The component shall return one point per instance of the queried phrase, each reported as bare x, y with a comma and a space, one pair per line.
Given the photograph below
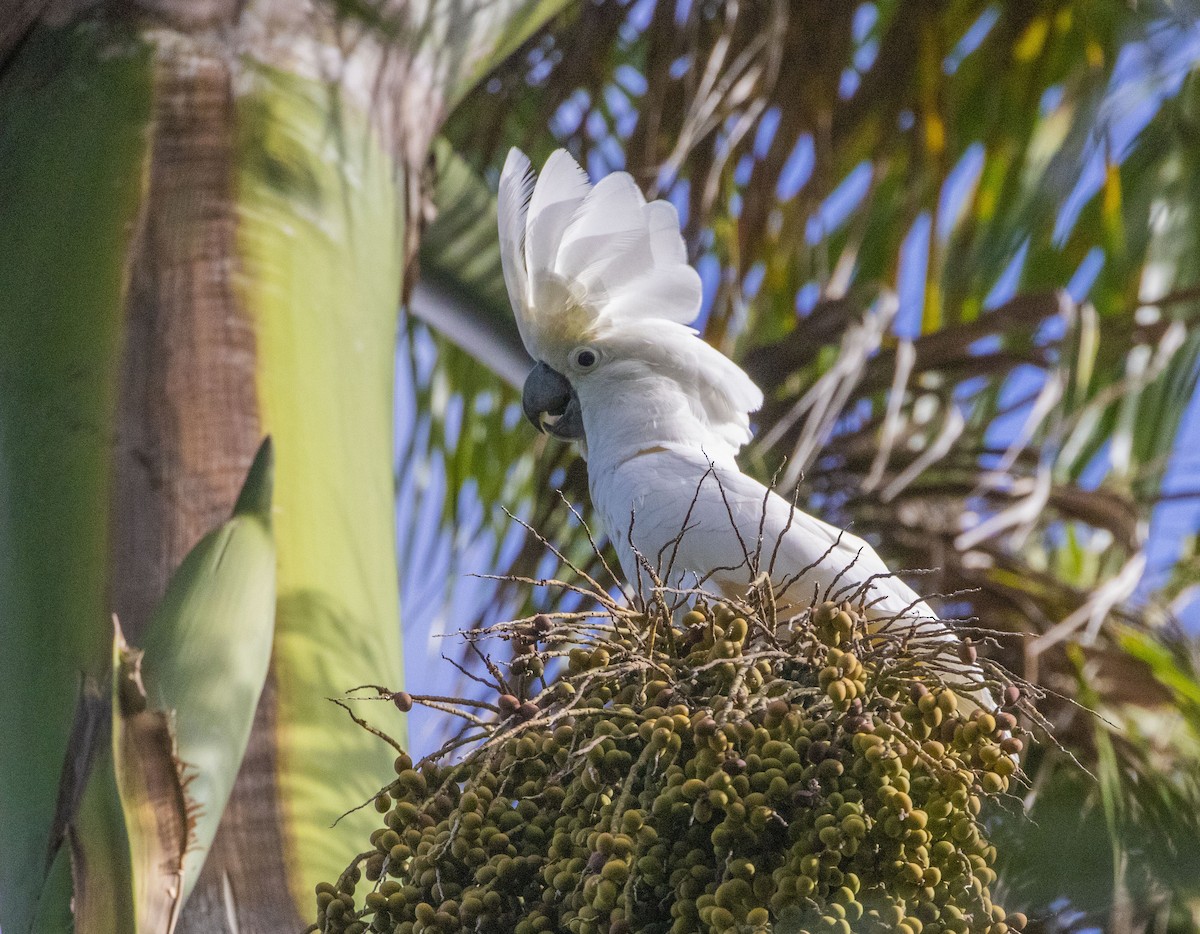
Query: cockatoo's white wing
785, 541
737, 528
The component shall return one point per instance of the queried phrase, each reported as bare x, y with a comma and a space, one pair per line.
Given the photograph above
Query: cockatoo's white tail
578, 259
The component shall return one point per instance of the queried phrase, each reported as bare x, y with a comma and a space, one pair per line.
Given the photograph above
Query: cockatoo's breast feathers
598, 264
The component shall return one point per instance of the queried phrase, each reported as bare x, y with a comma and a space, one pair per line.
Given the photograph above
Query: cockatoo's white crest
598, 265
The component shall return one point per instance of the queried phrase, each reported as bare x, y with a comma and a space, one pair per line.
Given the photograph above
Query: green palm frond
959, 242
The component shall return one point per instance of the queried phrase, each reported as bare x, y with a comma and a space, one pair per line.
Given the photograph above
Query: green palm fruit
743, 789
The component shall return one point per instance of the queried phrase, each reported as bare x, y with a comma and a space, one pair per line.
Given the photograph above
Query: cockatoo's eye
583, 358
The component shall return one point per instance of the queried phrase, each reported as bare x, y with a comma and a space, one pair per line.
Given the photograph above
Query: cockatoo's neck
624, 419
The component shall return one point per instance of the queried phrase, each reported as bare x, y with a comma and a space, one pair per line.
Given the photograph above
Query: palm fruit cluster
724, 776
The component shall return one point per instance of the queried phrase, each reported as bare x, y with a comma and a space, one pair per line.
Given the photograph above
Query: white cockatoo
603, 294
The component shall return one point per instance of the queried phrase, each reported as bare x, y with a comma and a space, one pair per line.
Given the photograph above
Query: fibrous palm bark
207, 213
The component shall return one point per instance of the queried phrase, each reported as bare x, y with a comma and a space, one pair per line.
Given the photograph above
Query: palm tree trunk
208, 210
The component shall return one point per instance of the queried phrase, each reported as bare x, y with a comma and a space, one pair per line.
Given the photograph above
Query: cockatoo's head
602, 293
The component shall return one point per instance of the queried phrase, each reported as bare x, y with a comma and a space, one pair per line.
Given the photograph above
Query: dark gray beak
551, 404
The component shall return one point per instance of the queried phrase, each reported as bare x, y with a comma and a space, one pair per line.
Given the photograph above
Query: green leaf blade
207, 652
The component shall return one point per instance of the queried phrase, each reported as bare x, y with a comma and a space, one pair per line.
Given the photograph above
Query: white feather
512, 205
662, 220
670, 292
560, 190
727, 396
617, 262
737, 529
724, 510
605, 224
602, 248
